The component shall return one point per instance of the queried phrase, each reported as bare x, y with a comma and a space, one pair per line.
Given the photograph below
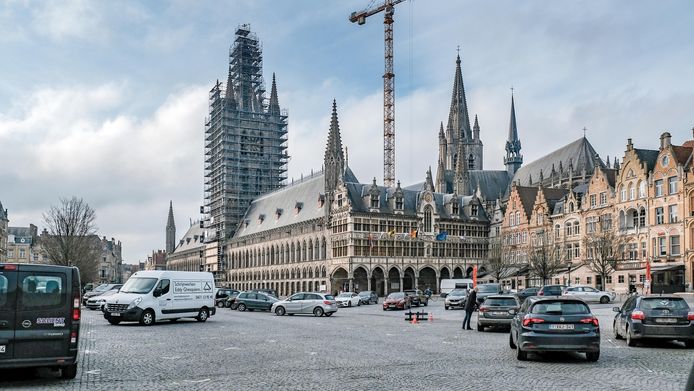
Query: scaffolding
245, 140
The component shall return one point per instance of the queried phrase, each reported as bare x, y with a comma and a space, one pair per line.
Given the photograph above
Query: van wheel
147, 318
113, 321
241, 307
280, 311
69, 371
203, 315
317, 312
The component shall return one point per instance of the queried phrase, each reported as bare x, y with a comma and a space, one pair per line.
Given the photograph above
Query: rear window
669, 303
4, 289
488, 288
42, 290
329, 297
496, 302
560, 307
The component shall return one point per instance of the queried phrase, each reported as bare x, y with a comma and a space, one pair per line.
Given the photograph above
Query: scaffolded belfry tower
245, 139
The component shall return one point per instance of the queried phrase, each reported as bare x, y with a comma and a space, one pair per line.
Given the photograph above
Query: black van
39, 317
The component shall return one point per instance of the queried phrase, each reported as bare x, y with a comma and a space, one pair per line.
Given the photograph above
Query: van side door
8, 306
165, 298
44, 315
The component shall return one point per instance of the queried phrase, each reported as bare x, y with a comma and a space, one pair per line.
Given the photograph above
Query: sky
106, 100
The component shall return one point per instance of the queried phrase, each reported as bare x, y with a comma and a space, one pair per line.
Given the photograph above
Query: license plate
115, 314
498, 313
392, 306
561, 327
2, 348
666, 320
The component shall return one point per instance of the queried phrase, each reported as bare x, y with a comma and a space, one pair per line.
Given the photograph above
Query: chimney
630, 145
665, 140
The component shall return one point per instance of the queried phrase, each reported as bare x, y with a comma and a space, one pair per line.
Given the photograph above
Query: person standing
470, 305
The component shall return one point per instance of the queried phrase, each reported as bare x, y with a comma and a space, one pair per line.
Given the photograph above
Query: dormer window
246, 222
474, 210
455, 208
398, 203
278, 213
374, 200
261, 218
298, 206
321, 200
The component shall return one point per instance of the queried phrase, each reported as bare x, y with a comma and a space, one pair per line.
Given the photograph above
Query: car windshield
397, 295
560, 307
365, 293
669, 303
345, 294
138, 285
488, 288
101, 288
458, 293
500, 301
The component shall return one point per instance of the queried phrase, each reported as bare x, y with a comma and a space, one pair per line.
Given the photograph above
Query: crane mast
388, 8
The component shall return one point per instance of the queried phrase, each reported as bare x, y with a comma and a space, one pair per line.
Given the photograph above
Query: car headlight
134, 303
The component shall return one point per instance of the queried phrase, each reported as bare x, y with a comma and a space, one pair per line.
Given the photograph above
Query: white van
149, 296
447, 285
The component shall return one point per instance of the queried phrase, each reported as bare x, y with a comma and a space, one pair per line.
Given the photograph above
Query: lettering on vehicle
2, 348
192, 287
56, 322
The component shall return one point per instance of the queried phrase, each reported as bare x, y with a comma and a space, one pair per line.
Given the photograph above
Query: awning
665, 268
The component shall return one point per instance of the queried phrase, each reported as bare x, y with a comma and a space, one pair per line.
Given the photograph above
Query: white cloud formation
69, 19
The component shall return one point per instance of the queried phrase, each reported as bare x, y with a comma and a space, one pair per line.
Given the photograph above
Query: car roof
501, 297
661, 297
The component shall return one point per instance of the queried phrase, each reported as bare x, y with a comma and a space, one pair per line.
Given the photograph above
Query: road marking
197, 381
93, 372
232, 348
312, 353
171, 358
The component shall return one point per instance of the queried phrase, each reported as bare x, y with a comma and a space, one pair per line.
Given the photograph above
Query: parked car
39, 328
589, 294
98, 302
270, 292
486, 290
397, 300
254, 301
551, 290
418, 297
658, 317
222, 295
561, 324
497, 310
318, 304
527, 292
230, 301
348, 299
455, 299
98, 291
368, 297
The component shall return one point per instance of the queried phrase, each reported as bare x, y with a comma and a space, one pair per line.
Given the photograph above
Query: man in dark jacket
470, 305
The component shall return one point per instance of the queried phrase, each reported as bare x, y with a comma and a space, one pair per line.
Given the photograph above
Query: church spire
476, 129
334, 160
274, 107
513, 159
170, 231
460, 183
458, 118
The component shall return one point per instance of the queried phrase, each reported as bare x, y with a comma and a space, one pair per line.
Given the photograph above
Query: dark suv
551, 290
418, 297
39, 317
663, 317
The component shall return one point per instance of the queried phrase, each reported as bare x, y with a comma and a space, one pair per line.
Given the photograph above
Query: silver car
318, 304
456, 299
589, 294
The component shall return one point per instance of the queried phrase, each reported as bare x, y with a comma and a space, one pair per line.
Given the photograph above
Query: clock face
427, 197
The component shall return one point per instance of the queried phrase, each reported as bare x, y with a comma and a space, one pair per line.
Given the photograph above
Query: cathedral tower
170, 231
513, 159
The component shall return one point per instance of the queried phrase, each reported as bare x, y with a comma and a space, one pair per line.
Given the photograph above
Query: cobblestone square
357, 349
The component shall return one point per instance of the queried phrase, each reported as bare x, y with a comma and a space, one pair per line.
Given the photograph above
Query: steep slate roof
554, 196
349, 176
527, 196
20, 233
648, 156
492, 183
611, 175
193, 238
579, 153
306, 192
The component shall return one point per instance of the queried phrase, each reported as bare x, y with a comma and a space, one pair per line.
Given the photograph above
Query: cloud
69, 19
128, 168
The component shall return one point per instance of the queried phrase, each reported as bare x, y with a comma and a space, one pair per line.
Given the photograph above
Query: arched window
623, 193
471, 162
517, 218
642, 189
428, 219
632, 191
557, 231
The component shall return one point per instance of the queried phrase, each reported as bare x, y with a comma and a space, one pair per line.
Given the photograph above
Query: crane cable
411, 86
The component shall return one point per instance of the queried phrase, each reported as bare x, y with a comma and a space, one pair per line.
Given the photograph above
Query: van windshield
138, 285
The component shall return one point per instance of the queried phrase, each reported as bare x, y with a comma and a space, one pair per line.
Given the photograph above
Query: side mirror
616, 309
157, 292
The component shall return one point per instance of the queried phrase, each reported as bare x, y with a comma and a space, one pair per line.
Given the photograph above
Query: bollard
414, 318
431, 317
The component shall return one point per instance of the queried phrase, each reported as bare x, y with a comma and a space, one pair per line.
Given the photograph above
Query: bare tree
71, 238
602, 253
498, 261
545, 259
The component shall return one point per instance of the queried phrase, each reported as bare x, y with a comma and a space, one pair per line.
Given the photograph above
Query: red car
397, 300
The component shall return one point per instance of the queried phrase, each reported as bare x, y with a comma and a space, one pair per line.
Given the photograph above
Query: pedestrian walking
470, 305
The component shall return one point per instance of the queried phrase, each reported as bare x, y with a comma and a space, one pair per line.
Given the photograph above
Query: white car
348, 299
589, 294
98, 302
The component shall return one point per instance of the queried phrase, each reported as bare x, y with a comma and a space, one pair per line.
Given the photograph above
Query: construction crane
359, 17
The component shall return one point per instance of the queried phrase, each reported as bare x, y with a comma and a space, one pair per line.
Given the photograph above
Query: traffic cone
414, 318
431, 317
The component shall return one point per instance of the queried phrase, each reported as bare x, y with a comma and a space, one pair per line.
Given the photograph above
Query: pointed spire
274, 107
170, 222
170, 230
476, 129
429, 183
513, 159
442, 135
441, 178
334, 159
229, 92
608, 161
458, 118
